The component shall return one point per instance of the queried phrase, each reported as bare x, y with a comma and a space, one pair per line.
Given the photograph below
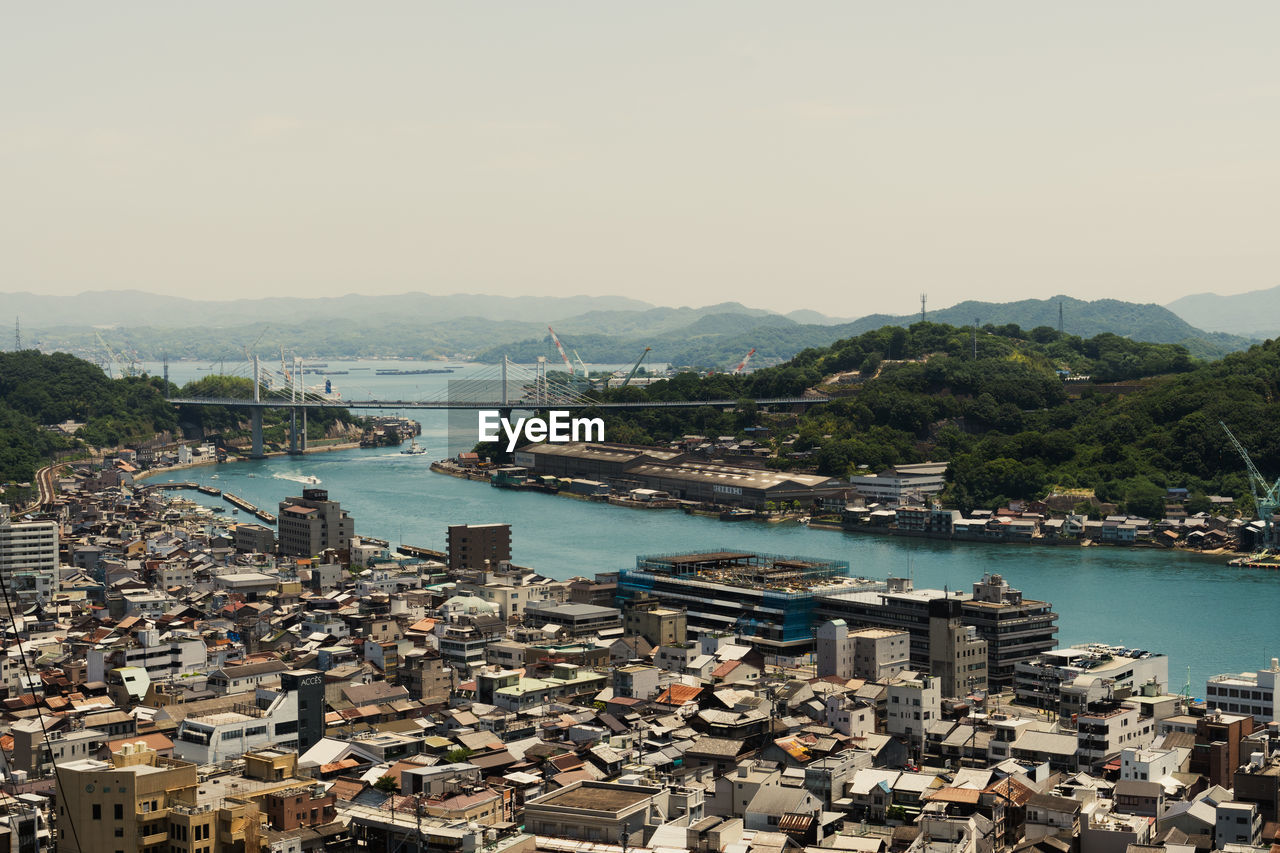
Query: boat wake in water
306, 479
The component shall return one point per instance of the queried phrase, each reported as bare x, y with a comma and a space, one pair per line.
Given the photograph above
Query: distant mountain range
136, 308
604, 329
1256, 313
721, 339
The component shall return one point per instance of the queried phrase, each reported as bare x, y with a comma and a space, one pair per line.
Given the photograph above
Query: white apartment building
161, 657
876, 654
1247, 693
1108, 727
913, 703
26, 544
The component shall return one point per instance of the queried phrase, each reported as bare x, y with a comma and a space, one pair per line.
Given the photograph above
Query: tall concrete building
123, 803
471, 546
957, 655
26, 545
312, 523
661, 626
1247, 693
876, 654
1015, 629
139, 800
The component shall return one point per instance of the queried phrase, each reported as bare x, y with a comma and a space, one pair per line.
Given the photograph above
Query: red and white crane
564, 355
742, 365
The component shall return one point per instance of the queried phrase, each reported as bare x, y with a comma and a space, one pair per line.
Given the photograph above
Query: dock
234, 500
423, 553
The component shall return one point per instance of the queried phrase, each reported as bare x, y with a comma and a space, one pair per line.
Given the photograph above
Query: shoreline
328, 448
1221, 556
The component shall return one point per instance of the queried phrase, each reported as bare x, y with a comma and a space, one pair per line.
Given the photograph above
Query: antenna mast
17, 335
923, 298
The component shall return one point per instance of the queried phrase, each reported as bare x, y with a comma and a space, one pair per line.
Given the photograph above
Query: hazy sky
841, 156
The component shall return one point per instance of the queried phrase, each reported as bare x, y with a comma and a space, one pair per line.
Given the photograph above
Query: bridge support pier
255, 420
293, 431
302, 437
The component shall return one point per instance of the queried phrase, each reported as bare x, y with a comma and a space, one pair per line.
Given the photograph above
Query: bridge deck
453, 404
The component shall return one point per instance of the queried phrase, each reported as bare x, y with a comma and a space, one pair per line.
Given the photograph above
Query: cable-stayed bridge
503, 387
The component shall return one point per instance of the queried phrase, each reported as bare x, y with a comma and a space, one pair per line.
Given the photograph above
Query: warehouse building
682, 476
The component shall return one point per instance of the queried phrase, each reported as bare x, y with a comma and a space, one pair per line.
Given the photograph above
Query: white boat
414, 448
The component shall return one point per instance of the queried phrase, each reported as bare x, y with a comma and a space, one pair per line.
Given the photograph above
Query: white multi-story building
876, 654
1247, 693
1149, 765
913, 703
901, 482
1040, 680
220, 736
26, 544
1236, 823
1107, 727
161, 657
511, 590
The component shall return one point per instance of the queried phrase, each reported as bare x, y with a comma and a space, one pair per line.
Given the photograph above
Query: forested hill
1006, 420
38, 390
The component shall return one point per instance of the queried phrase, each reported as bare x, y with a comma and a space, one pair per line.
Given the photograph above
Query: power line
44, 730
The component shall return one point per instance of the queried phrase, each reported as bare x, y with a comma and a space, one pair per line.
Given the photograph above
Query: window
119, 811
97, 811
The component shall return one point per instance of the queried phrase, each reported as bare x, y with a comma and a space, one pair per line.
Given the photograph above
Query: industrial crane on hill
1266, 496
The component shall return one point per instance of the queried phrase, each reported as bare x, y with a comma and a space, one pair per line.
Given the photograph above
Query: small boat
312, 480
414, 448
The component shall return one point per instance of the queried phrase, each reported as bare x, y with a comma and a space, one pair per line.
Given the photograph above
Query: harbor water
1207, 617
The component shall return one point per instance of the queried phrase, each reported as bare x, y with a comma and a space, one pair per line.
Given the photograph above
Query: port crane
632, 374
555, 339
113, 360
581, 366
1266, 496
742, 365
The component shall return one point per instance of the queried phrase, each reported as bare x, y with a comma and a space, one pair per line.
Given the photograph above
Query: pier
234, 500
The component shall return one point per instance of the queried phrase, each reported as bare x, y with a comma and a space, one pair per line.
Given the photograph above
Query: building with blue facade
766, 599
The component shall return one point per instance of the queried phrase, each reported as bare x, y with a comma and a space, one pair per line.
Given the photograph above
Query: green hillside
1005, 420
37, 389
